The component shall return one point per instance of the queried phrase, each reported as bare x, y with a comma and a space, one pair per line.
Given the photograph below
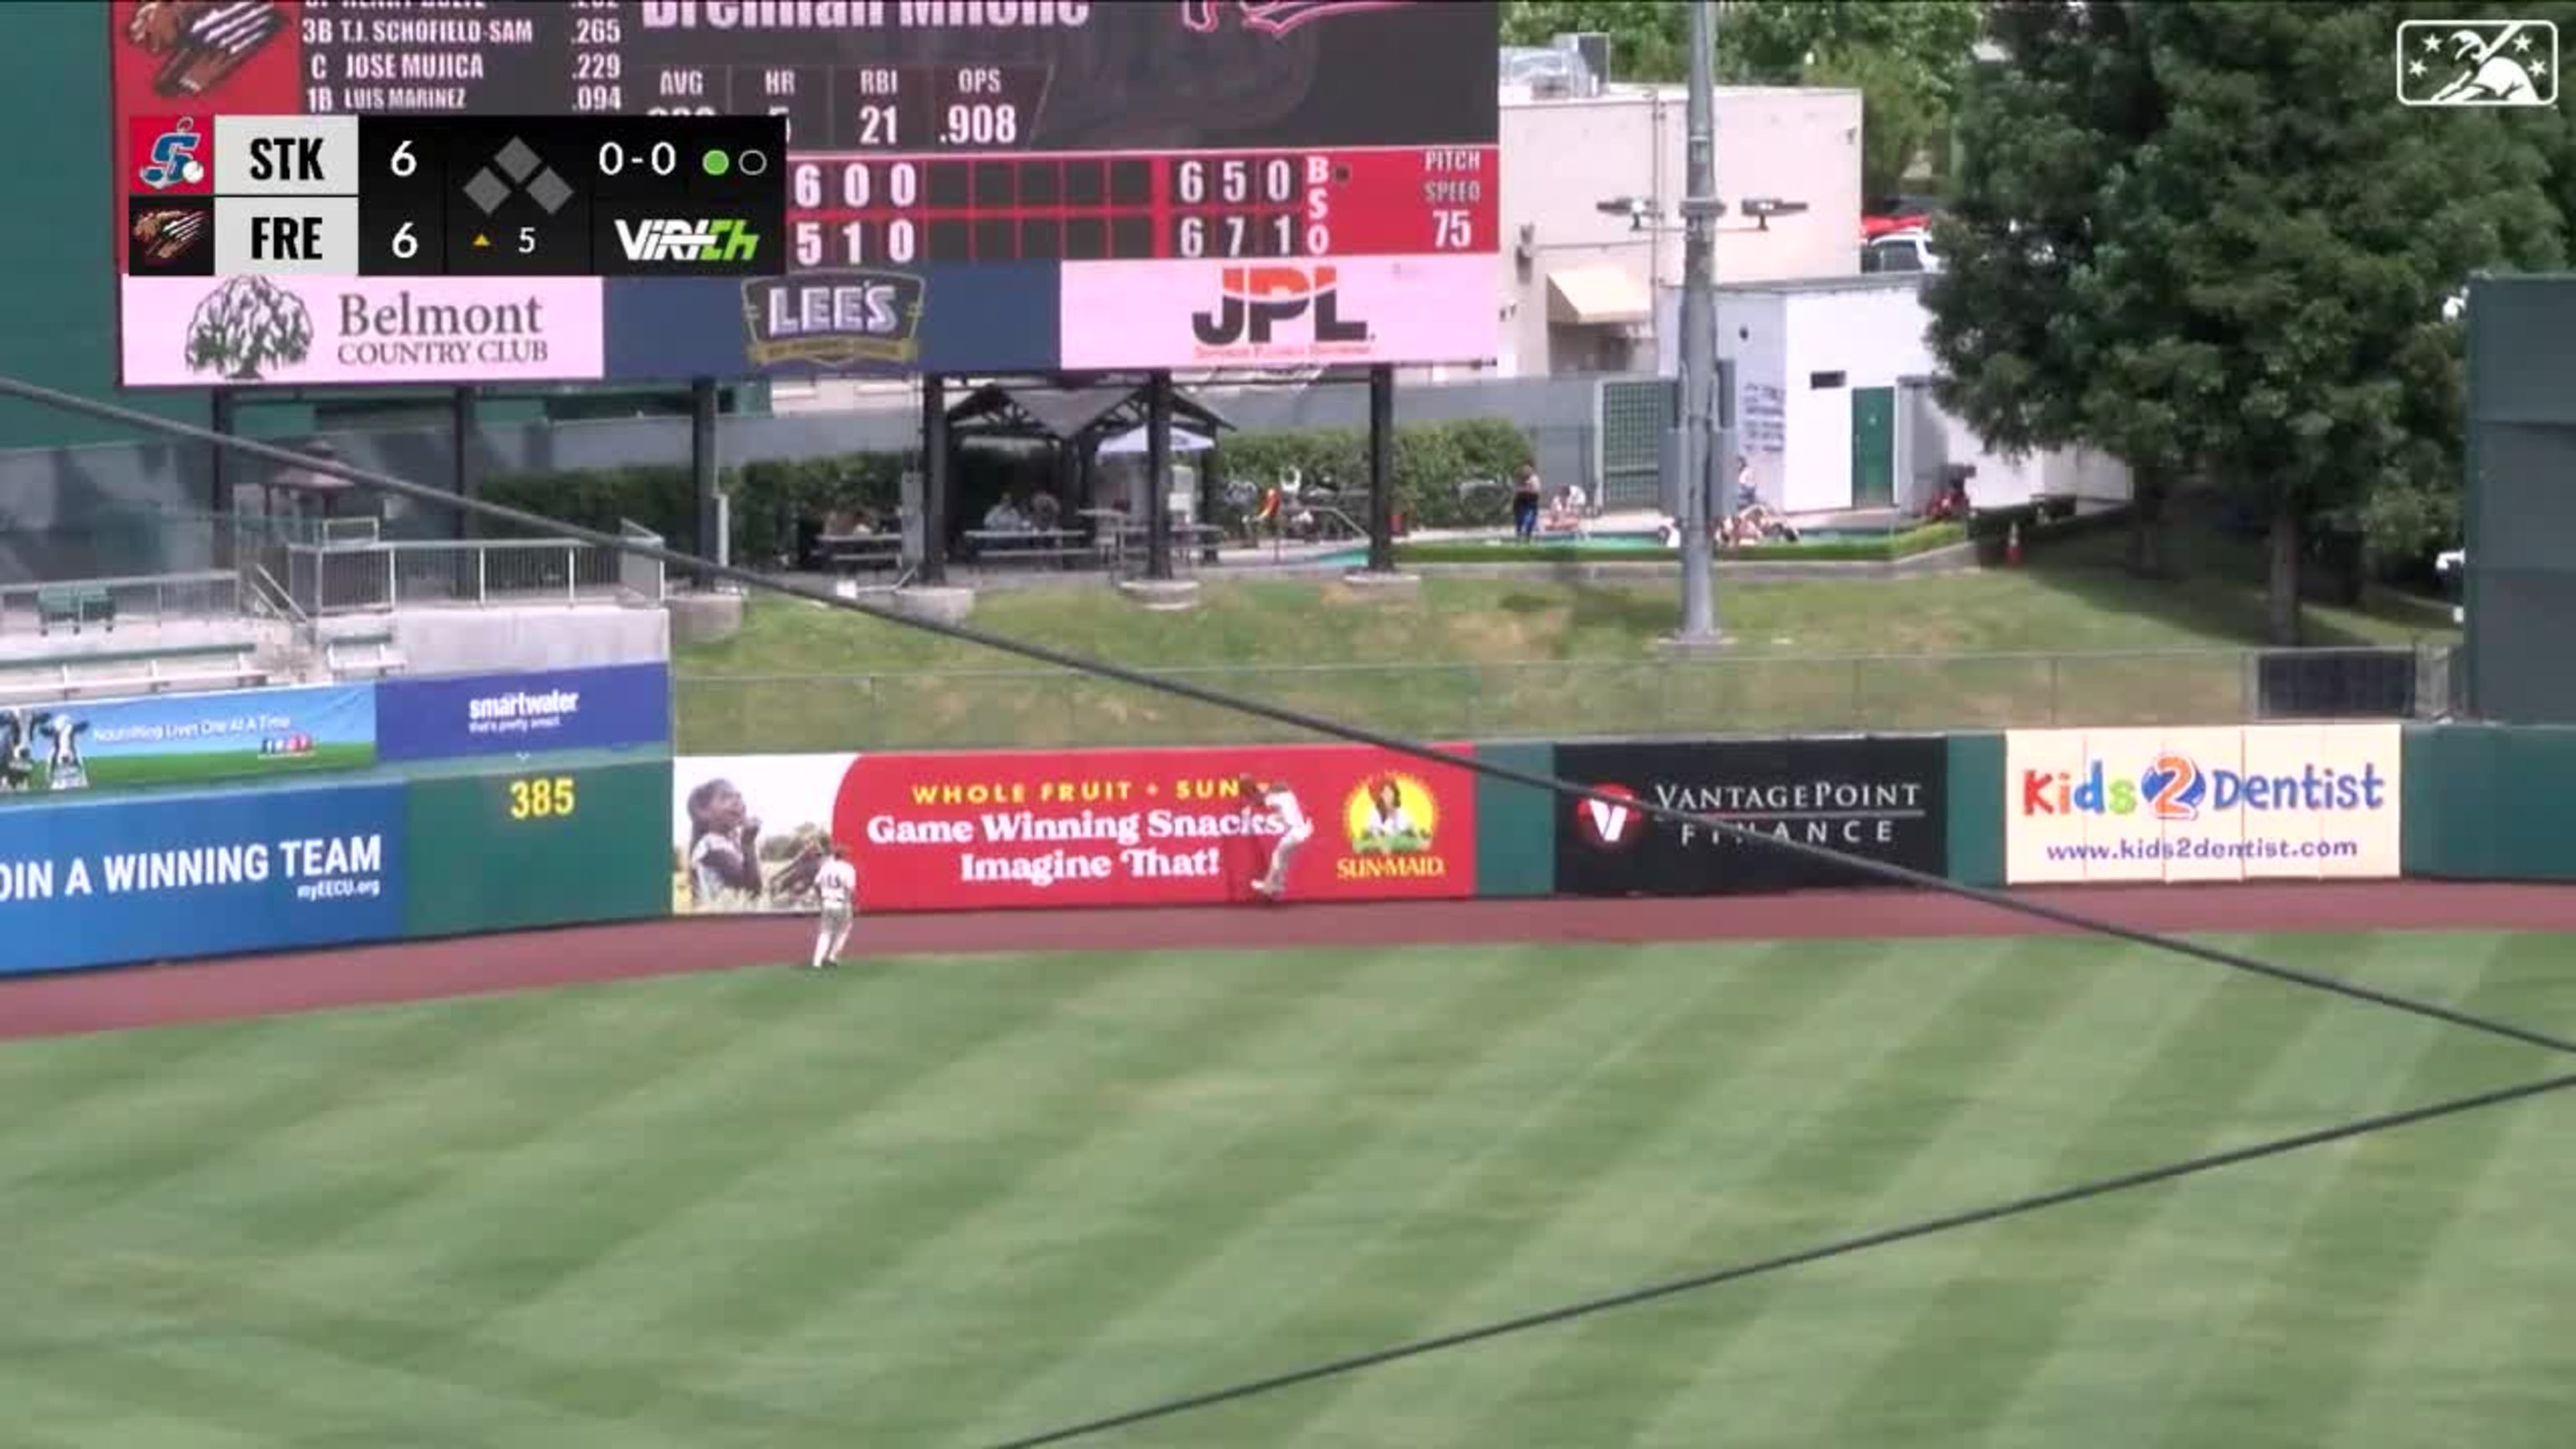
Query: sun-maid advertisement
252, 331
2259, 802
1279, 313
1879, 798
941, 832
1150, 827
176, 739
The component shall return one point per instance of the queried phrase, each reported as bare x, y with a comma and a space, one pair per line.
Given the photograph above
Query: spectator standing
1526, 492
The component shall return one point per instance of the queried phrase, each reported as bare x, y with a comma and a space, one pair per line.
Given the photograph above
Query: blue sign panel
858, 322
613, 707
185, 739
159, 878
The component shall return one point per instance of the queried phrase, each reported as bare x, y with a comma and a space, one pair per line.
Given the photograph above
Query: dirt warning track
124, 999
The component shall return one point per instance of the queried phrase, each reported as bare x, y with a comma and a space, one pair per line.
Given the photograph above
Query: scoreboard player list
457, 196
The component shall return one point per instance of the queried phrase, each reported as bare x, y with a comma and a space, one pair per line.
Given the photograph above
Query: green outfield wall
1515, 825
2490, 802
537, 845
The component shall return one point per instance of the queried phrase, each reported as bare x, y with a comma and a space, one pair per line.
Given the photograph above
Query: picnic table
850, 552
1061, 547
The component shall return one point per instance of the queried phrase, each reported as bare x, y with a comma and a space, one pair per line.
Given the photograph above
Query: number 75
1452, 231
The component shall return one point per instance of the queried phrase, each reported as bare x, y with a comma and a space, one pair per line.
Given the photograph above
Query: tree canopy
2205, 238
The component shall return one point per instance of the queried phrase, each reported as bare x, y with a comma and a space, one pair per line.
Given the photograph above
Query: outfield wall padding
1515, 825
2489, 802
533, 846
1976, 809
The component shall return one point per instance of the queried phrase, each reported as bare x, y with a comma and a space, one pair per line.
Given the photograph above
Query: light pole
1700, 208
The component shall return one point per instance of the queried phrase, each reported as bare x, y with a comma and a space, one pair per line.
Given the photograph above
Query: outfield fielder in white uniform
836, 885
1294, 831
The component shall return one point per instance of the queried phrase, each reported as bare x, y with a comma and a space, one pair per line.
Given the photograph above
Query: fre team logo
2477, 63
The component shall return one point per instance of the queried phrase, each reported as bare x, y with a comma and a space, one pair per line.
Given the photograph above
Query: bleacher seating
175, 670
371, 657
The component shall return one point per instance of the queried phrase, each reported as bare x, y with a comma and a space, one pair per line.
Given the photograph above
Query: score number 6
549, 799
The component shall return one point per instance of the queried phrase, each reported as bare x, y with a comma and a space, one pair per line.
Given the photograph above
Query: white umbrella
1133, 441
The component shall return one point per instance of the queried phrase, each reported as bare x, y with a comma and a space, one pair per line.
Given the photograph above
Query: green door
1873, 447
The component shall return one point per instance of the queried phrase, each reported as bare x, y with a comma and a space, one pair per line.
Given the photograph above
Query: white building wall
1750, 331
1873, 331
1563, 158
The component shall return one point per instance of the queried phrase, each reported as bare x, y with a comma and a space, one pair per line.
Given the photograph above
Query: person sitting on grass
1566, 514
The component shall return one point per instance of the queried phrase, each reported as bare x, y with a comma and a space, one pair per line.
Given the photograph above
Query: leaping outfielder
1289, 818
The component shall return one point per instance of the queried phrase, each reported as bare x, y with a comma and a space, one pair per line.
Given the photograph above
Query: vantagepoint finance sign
1879, 798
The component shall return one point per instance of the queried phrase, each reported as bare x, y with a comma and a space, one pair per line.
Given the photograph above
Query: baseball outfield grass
949, 1202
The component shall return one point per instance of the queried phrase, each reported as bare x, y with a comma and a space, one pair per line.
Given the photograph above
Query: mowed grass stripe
2130, 1349
301, 1324
2252, 1053
1801, 1014
920, 1162
1880, 1045
328, 1313
259, 1078
39, 1075
1985, 1134
1905, 1013
1275, 1217
2381, 1209
2476, 1351
44, 1414
544, 1215
1309, 1243
974, 1291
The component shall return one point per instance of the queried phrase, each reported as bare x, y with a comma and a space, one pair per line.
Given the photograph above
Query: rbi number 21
541, 799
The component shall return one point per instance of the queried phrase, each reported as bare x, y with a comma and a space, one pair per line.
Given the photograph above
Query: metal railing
151, 599
1745, 695
367, 575
642, 578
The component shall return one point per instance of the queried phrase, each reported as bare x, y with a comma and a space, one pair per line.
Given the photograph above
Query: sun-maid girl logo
2176, 787
1394, 818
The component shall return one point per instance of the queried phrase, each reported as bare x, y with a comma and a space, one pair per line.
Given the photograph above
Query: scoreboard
748, 187
400, 196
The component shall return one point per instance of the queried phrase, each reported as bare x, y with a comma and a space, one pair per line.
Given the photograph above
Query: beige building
1578, 285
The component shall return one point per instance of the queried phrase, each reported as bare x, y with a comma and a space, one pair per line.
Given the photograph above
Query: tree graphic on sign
247, 324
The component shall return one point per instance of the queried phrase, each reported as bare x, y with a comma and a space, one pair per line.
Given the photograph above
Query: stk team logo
669, 240
170, 155
1606, 825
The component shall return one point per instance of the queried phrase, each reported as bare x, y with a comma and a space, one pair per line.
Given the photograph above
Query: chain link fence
1049, 709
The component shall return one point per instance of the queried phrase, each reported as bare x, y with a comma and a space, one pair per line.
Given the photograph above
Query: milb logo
666, 239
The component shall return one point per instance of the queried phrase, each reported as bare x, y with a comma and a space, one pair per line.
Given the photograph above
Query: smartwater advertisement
181, 739
619, 706
163, 878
